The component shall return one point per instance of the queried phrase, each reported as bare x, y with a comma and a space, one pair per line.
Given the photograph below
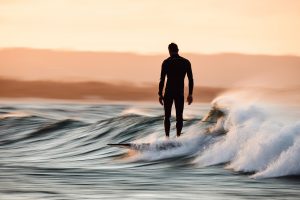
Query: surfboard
148, 146
125, 145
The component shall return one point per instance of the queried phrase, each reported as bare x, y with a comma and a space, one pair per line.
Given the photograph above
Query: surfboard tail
125, 145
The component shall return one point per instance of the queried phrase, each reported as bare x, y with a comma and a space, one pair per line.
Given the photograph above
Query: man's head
173, 49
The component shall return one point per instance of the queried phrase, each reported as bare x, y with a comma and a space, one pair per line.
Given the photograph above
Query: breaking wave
262, 139
250, 137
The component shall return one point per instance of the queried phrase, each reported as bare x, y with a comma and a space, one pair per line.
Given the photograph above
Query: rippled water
59, 151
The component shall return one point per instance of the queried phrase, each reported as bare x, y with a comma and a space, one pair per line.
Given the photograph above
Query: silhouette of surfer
175, 68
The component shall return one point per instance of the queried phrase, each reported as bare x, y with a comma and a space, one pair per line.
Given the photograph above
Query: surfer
175, 68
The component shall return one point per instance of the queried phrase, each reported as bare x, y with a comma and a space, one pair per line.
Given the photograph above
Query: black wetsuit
175, 68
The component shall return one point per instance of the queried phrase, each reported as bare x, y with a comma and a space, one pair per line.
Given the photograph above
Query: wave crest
258, 140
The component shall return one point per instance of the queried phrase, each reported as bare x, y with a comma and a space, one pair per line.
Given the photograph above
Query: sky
269, 27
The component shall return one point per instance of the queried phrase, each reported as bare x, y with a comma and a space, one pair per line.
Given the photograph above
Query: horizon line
146, 53
137, 85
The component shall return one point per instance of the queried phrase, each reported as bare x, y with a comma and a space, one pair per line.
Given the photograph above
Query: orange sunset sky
144, 26
229, 42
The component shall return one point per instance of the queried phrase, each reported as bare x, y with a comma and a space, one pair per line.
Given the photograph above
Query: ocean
55, 151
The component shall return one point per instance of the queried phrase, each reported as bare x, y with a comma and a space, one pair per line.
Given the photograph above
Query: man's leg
168, 101
179, 104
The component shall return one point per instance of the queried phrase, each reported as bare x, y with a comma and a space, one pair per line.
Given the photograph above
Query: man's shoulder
170, 59
167, 59
185, 59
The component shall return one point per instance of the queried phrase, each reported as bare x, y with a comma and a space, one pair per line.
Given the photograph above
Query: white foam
226, 149
269, 142
15, 114
288, 163
136, 111
190, 143
262, 139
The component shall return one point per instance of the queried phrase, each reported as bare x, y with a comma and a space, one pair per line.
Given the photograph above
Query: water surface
59, 151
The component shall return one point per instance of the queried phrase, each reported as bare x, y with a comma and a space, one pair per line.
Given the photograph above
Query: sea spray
260, 136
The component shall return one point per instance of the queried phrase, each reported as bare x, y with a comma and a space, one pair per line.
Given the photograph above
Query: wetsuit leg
179, 104
168, 101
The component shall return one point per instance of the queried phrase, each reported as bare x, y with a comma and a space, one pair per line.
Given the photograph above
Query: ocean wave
249, 137
257, 141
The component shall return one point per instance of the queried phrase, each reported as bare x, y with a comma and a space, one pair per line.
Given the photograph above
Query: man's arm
190, 77
162, 78
191, 83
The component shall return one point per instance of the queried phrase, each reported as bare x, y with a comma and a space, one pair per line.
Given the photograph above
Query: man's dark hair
173, 47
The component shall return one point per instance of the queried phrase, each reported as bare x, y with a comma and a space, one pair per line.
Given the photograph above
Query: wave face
59, 136
261, 139
60, 151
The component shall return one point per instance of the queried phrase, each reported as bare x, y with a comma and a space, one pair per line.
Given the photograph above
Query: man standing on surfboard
175, 68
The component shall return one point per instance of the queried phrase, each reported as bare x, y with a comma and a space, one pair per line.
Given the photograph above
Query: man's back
175, 68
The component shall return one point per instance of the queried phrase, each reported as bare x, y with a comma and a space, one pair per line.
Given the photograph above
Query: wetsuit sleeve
190, 77
162, 78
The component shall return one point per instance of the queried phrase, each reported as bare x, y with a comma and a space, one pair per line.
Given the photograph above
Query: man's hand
161, 100
189, 99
